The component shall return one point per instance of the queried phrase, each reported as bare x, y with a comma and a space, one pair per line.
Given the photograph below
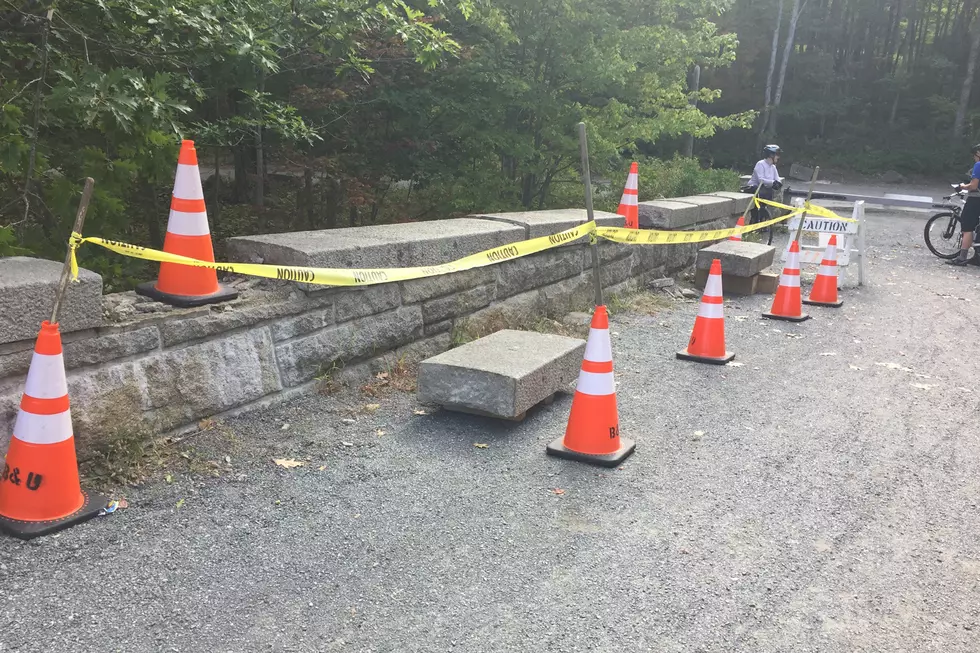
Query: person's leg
968, 221
762, 213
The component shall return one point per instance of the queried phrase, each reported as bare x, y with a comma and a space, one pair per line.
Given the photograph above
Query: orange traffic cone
707, 344
39, 488
188, 235
787, 304
824, 291
592, 434
740, 223
629, 205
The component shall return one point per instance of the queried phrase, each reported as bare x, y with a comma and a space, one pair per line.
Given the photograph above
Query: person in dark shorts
970, 217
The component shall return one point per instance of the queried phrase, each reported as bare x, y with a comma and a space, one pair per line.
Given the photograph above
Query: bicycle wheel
943, 235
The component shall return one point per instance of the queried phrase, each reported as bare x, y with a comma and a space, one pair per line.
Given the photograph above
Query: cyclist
766, 178
970, 217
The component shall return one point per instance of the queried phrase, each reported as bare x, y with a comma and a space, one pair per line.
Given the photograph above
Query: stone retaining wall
138, 365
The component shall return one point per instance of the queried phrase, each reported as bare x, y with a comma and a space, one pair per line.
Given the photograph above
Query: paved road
821, 497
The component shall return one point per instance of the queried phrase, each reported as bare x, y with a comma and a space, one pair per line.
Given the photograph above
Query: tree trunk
153, 220
216, 200
259, 169
967, 88
259, 156
695, 86
787, 51
308, 187
529, 183
242, 160
772, 69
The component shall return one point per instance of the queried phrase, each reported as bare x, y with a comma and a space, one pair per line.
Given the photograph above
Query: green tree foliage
871, 84
337, 112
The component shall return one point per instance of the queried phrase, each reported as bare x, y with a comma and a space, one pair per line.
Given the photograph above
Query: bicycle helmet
771, 150
975, 149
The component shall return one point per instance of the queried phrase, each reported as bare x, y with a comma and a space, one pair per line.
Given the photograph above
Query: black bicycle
763, 235
943, 232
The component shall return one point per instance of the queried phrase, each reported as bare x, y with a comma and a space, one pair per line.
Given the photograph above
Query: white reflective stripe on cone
187, 183
188, 224
711, 310
43, 429
596, 383
46, 377
831, 254
629, 200
598, 349
713, 287
828, 270
793, 261
791, 280
632, 182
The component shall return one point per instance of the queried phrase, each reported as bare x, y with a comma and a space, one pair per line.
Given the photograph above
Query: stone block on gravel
738, 258
503, 374
545, 223
668, 214
27, 290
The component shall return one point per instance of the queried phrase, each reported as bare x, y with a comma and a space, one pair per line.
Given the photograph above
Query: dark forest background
332, 113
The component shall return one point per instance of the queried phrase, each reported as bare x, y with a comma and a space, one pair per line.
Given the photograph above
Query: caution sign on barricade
850, 233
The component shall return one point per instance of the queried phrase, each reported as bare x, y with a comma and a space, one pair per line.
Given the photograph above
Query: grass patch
128, 457
398, 377
123, 457
326, 380
644, 302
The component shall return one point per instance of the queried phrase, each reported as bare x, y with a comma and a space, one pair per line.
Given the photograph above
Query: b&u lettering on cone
788, 303
39, 487
707, 344
824, 291
629, 206
592, 434
188, 234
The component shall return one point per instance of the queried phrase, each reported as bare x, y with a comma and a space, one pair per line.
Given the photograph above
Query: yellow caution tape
337, 276
372, 276
811, 209
654, 237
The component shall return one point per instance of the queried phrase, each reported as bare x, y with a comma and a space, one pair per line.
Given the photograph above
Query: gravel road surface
820, 496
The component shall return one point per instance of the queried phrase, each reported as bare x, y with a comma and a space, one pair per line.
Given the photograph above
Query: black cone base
684, 356
149, 289
626, 449
28, 530
786, 318
830, 304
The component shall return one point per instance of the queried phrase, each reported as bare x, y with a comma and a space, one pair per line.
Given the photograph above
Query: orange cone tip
39, 487
824, 291
740, 223
787, 304
707, 343
592, 434
188, 234
629, 205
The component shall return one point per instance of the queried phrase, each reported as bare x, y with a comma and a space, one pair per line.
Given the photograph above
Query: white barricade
850, 239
